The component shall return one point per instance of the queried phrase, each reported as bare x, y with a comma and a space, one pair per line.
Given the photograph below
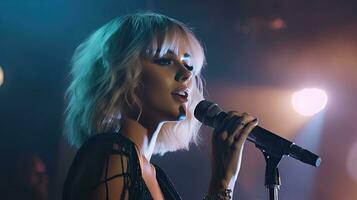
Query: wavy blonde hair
106, 70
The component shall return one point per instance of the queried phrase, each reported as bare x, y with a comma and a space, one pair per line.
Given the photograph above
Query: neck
143, 136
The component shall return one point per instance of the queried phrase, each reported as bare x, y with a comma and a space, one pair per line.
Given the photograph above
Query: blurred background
259, 52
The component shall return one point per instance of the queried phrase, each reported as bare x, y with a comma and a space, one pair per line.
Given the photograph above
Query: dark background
258, 53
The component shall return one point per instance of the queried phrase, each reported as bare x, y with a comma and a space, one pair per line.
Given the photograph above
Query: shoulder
106, 139
109, 151
100, 146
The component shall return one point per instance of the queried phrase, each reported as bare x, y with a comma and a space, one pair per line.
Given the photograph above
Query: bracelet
221, 195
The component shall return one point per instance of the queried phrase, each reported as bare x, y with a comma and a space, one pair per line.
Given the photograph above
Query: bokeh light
309, 101
1, 76
277, 24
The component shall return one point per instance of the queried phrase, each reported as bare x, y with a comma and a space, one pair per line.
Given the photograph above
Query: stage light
1, 76
309, 101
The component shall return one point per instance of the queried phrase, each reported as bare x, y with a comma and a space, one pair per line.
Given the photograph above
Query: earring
141, 110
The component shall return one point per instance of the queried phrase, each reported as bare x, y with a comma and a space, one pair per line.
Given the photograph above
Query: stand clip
272, 178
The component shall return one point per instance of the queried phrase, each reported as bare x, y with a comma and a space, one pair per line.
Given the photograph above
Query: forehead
178, 42
172, 43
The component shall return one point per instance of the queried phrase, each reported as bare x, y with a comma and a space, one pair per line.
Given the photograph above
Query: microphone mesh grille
205, 112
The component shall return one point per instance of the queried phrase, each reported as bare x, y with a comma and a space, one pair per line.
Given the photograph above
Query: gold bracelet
221, 195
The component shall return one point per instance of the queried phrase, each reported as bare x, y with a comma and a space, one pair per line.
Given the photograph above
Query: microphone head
304, 155
206, 112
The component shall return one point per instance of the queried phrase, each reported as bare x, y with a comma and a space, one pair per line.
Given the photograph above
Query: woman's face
164, 86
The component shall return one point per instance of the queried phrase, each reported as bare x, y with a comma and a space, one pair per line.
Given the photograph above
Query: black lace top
90, 169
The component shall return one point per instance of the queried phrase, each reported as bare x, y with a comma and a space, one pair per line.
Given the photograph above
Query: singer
135, 84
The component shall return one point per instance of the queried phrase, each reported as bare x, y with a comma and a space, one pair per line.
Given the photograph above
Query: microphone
211, 115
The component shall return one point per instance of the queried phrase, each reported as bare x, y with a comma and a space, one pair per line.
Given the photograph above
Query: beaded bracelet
221, 195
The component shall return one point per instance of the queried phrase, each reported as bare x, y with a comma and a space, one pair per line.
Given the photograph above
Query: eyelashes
169, 61
163, 61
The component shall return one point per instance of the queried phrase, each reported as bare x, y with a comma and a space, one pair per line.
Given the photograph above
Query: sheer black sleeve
102, 169
107, 167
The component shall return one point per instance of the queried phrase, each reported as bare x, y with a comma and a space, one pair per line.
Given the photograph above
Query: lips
181, 95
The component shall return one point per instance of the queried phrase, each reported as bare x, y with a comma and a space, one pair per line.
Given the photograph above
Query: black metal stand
272, 178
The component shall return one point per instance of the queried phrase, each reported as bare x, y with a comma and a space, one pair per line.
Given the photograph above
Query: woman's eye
163, 61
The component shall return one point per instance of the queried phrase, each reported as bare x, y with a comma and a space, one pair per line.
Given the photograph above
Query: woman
136, 82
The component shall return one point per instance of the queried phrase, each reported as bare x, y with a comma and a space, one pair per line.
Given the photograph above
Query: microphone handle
274, 144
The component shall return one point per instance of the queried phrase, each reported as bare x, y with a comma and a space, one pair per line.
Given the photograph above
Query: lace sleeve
115, 180
103, 169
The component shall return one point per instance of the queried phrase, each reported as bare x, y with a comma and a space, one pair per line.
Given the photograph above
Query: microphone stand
272, 177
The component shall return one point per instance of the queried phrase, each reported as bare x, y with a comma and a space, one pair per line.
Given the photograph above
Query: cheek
156, 84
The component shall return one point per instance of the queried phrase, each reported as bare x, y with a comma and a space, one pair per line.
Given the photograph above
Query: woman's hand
227, 146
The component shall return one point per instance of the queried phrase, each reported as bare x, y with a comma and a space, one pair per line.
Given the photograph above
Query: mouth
181, 95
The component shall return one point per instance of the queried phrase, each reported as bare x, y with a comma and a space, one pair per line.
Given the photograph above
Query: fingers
236, 127
221, 130
240, 138
227, 142
240, 127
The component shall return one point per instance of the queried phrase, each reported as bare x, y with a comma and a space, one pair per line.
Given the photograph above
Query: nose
184, 73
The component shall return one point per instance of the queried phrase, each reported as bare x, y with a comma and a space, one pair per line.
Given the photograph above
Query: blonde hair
106, 69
